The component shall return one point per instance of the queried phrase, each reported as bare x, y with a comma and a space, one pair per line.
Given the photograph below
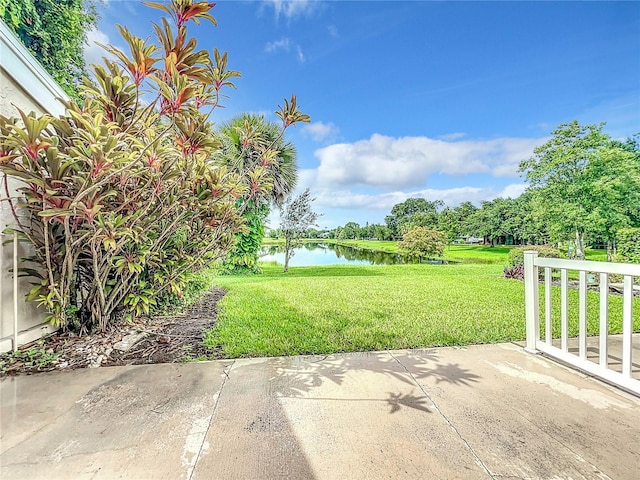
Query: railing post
15, 291
3, 284
531, 301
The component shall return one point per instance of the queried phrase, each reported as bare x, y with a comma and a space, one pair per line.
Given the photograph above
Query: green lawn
358, 308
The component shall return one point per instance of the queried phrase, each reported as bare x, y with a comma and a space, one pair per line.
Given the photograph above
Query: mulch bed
163, 339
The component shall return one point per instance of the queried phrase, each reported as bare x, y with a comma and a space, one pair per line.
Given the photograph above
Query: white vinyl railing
3, 285
601, 368
20, 323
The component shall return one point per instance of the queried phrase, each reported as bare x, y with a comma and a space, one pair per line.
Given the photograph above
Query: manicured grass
357, 308
595, 255
477, 254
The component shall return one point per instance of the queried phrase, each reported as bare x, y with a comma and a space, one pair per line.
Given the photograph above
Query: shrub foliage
122, 197
514, 273
423, 242
628, 245
516, 255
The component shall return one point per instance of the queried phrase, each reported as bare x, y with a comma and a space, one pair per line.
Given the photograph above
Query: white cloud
282, 44
93, 53
513, 190
319, 131
294, 8
333, 31
406, 162
385, 201
285, 45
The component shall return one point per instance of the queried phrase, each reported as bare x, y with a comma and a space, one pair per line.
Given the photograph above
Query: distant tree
55, 32
381, 232
423, 242
367, 232
449, 224
295, 218
421, 219
488, 221
463, 212
413, 212
351, 231
525, 223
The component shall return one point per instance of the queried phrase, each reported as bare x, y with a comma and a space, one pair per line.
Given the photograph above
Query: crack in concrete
446, 419
213, 414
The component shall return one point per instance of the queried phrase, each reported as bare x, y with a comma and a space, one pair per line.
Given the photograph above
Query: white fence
20, 322
14, 284
587, 272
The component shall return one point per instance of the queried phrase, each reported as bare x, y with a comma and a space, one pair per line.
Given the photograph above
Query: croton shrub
122, 196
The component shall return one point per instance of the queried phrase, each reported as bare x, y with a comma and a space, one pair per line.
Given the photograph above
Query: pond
314, 254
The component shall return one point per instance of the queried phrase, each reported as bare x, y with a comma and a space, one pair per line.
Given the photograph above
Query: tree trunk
609, 251
579, 245
287, 253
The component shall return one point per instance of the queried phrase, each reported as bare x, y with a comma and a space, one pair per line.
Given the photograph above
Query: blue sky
439, 100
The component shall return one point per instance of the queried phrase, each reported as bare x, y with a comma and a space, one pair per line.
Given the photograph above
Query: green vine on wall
55, 32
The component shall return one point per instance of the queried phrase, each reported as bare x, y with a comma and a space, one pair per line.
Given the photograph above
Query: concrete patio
487, 411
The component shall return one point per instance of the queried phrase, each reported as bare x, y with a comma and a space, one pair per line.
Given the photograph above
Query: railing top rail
589, 266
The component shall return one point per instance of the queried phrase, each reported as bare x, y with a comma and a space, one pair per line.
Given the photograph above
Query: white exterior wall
24, 84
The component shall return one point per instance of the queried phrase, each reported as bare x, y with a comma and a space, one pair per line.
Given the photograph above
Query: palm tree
256, 150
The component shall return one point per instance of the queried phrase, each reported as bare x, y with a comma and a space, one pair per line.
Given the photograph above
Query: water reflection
317, 253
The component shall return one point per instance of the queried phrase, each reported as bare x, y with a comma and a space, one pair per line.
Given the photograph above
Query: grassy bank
356, 308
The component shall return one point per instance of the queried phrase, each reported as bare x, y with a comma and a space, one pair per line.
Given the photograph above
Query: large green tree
55, 31
256, 150
582, 183
617, 185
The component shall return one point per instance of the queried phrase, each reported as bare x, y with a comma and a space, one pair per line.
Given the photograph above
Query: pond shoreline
375, 252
